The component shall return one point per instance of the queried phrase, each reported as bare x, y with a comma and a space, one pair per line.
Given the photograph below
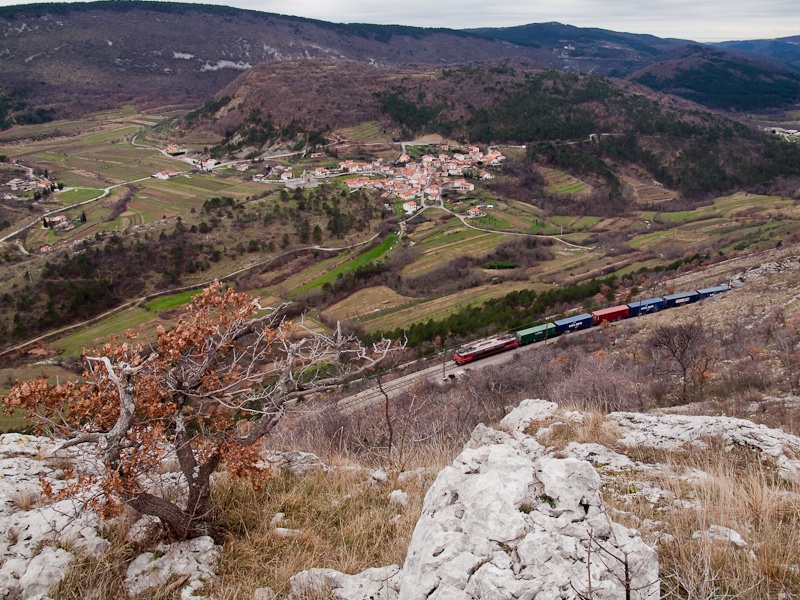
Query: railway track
392, 388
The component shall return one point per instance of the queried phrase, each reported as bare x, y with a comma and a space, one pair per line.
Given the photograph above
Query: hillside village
430, 178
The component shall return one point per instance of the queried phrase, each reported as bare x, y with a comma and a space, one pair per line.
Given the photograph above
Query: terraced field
441, 307
559, 182
365, 302
437, 254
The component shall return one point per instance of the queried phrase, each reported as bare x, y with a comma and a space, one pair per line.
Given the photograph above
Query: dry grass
25, 500
594, 428
347, 525
738, 491
101, 578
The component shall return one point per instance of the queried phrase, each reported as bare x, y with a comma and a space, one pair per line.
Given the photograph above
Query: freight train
507, 341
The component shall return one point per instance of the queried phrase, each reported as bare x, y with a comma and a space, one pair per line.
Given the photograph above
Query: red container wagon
485, 348
611, 314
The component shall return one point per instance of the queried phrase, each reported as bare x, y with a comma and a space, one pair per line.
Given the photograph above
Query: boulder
373, 584
299, 463
398, 497
196, 559
264, 593
504, 522
527, 413
378, 477
720, 534
668, 432
45, 571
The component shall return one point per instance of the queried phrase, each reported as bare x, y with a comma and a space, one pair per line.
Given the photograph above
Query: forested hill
553, 113
600, 51
719, 79
75, 58
785, 49
86, 55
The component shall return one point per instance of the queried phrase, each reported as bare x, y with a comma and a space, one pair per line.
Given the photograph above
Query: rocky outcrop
373, 584
194, 561
672, 432
503, 523
29, 564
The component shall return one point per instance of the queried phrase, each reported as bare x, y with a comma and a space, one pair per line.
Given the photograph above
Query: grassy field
359, 261
491, 222
442, 307
365, 133
168, 302
364, 302
70, 197
144, 321
438, 249
559, 182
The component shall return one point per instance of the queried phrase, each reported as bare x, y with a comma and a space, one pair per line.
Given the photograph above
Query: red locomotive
485, 348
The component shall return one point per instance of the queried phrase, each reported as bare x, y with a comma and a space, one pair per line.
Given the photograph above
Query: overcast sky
699, 20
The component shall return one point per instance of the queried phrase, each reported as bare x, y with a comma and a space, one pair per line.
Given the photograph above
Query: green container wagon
534, 334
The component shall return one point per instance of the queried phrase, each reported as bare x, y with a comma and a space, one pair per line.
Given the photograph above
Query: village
410, 180
407, 179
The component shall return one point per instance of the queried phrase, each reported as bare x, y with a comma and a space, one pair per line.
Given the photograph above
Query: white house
410, 207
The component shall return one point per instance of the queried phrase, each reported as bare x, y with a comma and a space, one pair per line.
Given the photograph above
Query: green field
71, 197
360, 261
99, 333
490, 222
168, 302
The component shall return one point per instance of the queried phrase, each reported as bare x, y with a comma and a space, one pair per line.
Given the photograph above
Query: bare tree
786, 346
217, 383
685, 345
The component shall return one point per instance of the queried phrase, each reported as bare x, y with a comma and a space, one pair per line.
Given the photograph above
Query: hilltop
62, 59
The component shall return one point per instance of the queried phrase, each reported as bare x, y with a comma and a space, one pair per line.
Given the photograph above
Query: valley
378, 269
252, 267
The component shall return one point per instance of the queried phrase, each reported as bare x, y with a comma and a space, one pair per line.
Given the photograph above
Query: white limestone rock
373, 584
503, 523
264, 593
45, 571
599, 456
379, 477
670, 432
408, 476
299, 463
145, 529
285, 532
197, 558
720, 534
528, 412
398, 497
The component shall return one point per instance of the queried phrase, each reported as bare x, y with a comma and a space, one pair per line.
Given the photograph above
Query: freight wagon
645, 306
536, 334
550, 330
611, 314
573, 323
678, 299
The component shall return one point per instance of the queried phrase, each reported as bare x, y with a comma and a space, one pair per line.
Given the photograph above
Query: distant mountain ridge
589, 49
58, 59
786, 49
109, 52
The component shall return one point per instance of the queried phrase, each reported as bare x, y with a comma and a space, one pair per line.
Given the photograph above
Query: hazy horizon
701, 21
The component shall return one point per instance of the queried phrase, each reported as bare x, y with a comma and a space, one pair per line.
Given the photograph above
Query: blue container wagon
646, 306
573, 323
713, 291
680, 299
